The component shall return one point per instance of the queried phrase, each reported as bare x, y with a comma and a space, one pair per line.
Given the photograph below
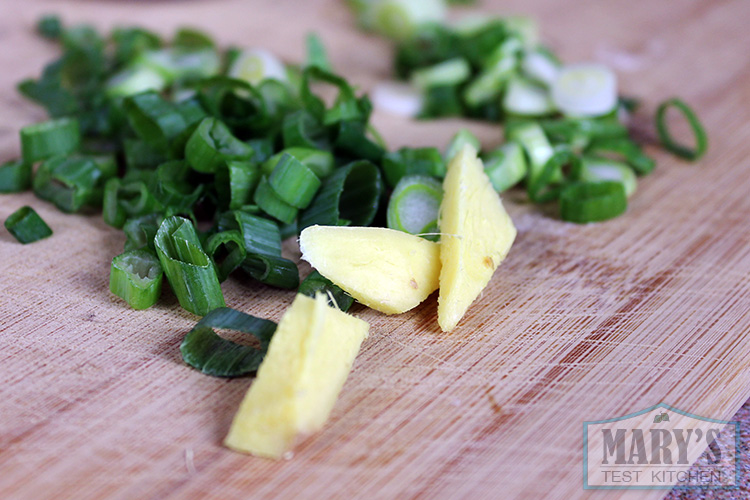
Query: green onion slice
320, 162
506, 166
227, 251
236, 182
15, 176
316, 52
592, 202
459, 140
549, 183
155, 120
69, 183
272, 204
414, 204
596, 169
190, 272
316, 282
351, 195
625, 149
136, 276
204, 350
26, 226
212, 144
412, 161
272, 270
51, 138
141, 231
294, 182
669, 143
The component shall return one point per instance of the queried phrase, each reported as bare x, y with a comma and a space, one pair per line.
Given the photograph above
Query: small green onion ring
669, 143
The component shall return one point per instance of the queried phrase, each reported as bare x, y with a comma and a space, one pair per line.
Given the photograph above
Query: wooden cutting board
580, 322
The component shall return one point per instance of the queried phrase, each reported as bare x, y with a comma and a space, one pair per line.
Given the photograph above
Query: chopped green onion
532, 138
69, 183
459, 140
50, 27
134, 80
412, 161
541, 66
505, 166
259, 235
204, 350
51, 138
227, 251
585, 90
447, 73
26, 226
256, 65
190, 272
155, 120
270, 202
352, 140
236, 182
627, 150
525, 98
592, 201
414, 204
400, 19
272, 270
211, 144
189, 38
441, 101
316, 282
547, 185
293, 182
397, 98
141, 155
669, 143
141, 231
15, 176
595, 169
489, 83
320, 162
350, 195
316, 53
302, 129
136, 276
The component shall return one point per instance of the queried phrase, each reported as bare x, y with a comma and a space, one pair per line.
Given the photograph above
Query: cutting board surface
579, 323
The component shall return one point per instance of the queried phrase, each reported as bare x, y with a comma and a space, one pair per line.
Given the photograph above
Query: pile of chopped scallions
565, 124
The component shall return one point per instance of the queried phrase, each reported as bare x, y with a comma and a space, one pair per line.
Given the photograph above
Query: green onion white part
399, 19
397, 98
525, 98
414, 205
256, 65
450, 72
506, 166
585, 90
603, 169
539, 66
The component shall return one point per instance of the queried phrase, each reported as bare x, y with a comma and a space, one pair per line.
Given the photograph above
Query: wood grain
580, 322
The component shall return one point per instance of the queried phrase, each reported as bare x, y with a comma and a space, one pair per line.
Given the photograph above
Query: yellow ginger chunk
307, 363
387, 270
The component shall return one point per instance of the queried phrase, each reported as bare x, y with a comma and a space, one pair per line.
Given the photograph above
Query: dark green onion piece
353, 141
272, 270
141, 155
270, 202
49, 27
227, 251
204, 350
123, 200
549, 183
155, 120
211, 144
303, 129
316, 282
596, 169
26, 225
351, 195
441, 101
592, 202
141, 231
173, 188
293, 182
412, 161
414, 204
236, 183
316, 53
260, 235
136, 276
69, 183
669, 143
51, 138
190, 272
15, 176
506, 166
626, 150
320, 162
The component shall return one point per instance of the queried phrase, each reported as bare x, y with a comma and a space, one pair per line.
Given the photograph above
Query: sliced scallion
51, 138
15, 176
596, 169
592, 201
669, 143
136, 277
459, 140
294, 182
204, 350
270, 202
190, 272
414, 204
412, 161
26, 226
316, 282
211, 144
505, 166
227, 251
